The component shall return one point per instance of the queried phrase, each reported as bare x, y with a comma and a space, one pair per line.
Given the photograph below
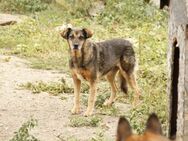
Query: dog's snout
75, 46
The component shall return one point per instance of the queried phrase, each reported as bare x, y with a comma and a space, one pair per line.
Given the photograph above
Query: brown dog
153, 131
90, 61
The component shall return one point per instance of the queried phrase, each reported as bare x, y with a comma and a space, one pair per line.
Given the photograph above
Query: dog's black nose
75, 46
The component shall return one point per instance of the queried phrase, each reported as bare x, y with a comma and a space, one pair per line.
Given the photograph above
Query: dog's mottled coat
90, 61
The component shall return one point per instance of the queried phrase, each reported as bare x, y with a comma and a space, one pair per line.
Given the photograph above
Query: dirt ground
53, 114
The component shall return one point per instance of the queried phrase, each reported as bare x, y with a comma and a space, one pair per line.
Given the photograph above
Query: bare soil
53, 114
8, 19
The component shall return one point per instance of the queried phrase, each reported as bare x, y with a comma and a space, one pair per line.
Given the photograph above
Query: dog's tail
123, 83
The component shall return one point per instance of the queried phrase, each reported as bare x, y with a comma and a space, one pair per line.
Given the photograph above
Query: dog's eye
81, 37
71, 36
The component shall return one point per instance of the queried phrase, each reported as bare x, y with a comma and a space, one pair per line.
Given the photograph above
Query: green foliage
110, 111
48, 1
77, 8
101, 99
40, 44
128, 12
54, 88
84, 88
23, 133
23, 5
78, 121
151, 103
102, 93
98, 137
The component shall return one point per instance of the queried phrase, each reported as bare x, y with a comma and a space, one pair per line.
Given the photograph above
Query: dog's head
76, 37
153, 131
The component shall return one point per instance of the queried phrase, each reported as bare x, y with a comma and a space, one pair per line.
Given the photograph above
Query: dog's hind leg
123, 83
133, 84
91, 99
130, 77
111, 79
77, 84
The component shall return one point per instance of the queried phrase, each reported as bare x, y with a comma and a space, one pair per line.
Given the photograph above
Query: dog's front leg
91, 99
76, 107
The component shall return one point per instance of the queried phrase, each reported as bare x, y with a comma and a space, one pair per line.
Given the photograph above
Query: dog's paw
88, 113
75, 110
108, 103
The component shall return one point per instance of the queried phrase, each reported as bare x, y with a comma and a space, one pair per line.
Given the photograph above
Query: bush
24, 5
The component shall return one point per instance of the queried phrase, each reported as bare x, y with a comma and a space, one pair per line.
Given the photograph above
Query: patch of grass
99, 136
21, 6
39, 44
110, 111
77, 121
101, 99
103, 93
84, 88
7, 59
69, 138
63, 98
125, 98
54, 88
50, 62
151, 103
23, 133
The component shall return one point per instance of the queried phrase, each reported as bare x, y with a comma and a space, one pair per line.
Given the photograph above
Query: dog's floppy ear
123, 130
87, 33
65, 33
153, 124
